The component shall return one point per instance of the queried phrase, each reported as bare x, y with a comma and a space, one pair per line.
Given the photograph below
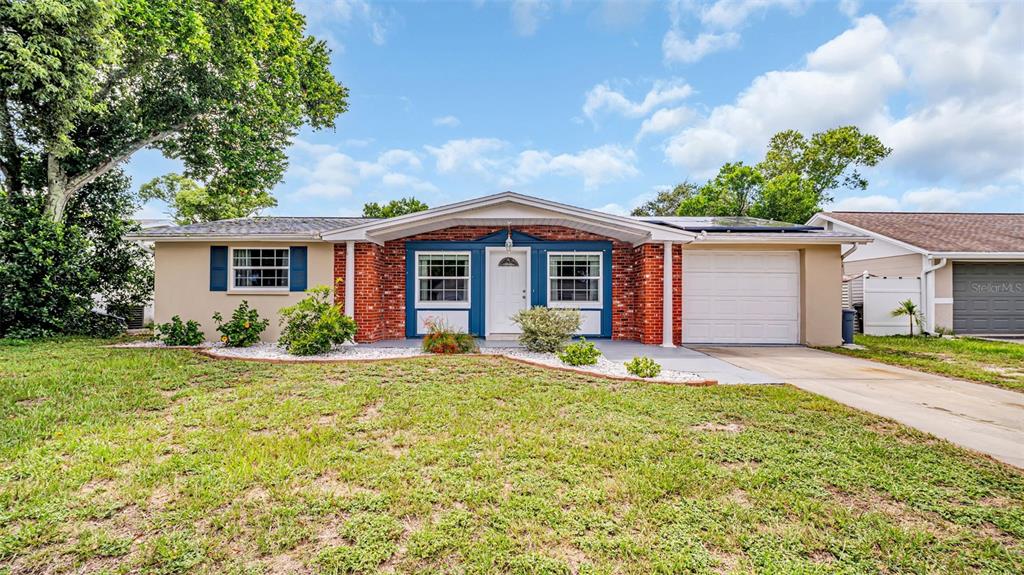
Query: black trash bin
849, 320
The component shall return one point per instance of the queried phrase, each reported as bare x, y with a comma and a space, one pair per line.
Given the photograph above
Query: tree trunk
57, 192
61, 188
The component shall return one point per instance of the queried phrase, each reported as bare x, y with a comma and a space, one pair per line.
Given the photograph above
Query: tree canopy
393, 208
188, 202
793, 182
221, 86
667, 202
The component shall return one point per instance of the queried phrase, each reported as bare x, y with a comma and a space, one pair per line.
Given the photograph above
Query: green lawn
994, 362
160, 461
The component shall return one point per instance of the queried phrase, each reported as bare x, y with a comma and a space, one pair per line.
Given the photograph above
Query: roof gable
509, 208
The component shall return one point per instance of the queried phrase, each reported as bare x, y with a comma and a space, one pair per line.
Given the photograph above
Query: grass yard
993, 362
163, 461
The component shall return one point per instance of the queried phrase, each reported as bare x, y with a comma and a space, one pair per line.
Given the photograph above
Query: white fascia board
364, 232
979, 256
792, 238
874, 235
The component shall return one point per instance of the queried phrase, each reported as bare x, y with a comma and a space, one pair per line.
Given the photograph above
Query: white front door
507, 289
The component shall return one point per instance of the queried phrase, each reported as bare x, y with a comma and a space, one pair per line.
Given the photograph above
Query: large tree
393, 208
794, 180
221, 85
189, 202
667, 201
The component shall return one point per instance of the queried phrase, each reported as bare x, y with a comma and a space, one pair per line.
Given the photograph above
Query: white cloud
397, 157
447, 121
490, 158
728, 14
471, 154
527, 14
596, 166
931, 199
666, 120
614, 209
407, 182
956, 65
323, 171
849, 8
676, 48
873, 203
604, 97
348, 12
938, 199
720, 21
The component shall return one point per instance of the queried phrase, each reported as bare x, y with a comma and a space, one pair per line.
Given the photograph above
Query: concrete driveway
973, 415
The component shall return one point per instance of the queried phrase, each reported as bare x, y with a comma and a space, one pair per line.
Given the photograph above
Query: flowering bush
315, 323
243, 329
643, 367
442, 338
546, 329
176, 332
582, 352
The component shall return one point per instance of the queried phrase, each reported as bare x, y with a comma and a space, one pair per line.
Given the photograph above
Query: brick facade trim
380, 281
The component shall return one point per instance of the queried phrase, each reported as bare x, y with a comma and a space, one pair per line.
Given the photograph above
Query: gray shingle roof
257, 226
944, 232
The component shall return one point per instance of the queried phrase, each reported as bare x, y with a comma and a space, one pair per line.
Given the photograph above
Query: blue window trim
539, 275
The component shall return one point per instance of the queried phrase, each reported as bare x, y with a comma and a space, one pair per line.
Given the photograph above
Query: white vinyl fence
884, 294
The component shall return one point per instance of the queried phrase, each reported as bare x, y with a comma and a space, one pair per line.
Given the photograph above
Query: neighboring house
475, 263
967, 269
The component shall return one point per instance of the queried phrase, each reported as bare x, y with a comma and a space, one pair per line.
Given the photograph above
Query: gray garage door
988, 298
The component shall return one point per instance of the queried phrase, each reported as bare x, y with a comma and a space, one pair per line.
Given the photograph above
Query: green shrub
315, 324
176, 332
643, 367
546, 329
582, 352
243, 329
442, 338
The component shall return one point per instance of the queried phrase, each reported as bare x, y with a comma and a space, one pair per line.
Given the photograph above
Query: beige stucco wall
821, 279
183, 284
944, 289
908, 265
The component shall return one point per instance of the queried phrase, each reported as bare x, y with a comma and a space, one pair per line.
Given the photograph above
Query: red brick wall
649, 292
380, 281
369, 300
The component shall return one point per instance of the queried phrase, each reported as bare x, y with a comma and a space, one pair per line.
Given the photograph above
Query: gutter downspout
928, 290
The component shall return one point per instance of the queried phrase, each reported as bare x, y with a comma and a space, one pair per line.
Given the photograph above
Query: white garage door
741, 297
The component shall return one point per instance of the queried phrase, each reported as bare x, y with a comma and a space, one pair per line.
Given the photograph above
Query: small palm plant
909, 309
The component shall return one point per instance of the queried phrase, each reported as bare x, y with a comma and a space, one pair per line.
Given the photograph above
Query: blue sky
601, 104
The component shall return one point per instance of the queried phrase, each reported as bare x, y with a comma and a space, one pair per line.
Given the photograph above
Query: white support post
666, 325
350, 278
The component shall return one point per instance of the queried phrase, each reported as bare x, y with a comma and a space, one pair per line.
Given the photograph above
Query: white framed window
259, 269
574, 279
442, 279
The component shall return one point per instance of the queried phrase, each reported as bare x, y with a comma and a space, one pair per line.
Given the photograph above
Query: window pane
260, 268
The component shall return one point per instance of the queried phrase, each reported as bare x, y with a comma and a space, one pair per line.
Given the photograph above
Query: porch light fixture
508, 240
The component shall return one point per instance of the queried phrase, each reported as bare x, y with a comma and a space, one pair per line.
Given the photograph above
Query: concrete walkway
675, 358
685, 359
973, 415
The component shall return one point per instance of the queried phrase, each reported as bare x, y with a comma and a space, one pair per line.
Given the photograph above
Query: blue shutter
297, 271
218, 268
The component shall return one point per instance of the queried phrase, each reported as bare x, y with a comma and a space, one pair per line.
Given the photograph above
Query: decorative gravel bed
271, 351
603, 366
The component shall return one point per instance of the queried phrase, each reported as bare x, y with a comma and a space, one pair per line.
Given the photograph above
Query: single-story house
970, 266
656, 280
